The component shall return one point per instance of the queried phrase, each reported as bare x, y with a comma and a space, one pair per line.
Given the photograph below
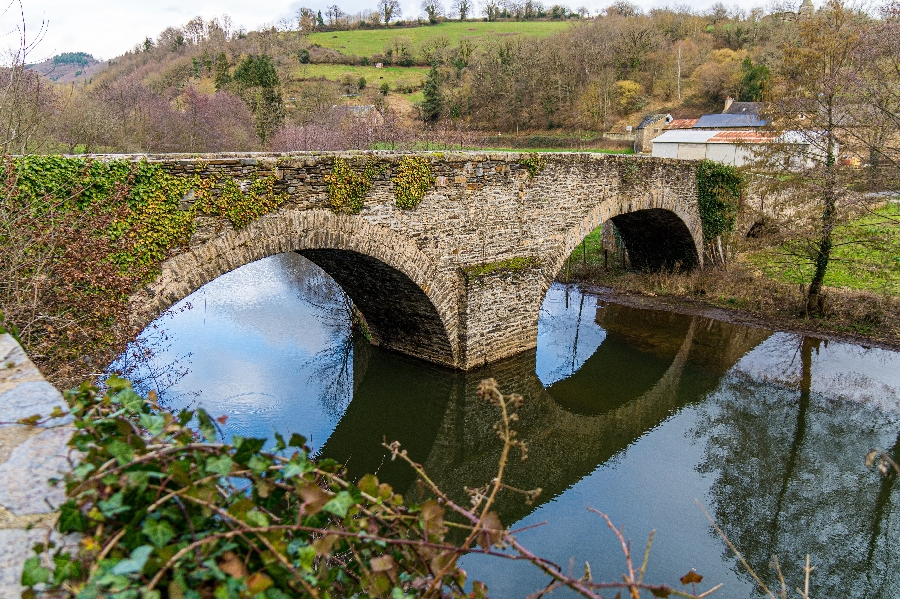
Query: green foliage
260, 88
5, 327
165, 510
719, 189
154, 222
510, 265
220, 68
412, 181
80, 236
754, 78
534, 164
80, 58
433, 101
303, 56
347, 189
239, 205
866, 255
257, 71
372, 41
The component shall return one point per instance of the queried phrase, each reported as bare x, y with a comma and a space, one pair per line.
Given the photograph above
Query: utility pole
679, 71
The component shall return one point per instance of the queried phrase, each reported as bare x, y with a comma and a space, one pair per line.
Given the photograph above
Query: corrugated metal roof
695, 136
729, 121
678, 136
748, 137
681, 124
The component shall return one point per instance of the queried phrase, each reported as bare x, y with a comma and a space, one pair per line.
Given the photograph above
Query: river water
642, 414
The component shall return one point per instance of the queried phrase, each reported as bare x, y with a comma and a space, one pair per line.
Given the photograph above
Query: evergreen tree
434, 101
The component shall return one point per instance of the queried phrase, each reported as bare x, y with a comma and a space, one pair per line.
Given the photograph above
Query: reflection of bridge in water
650, 364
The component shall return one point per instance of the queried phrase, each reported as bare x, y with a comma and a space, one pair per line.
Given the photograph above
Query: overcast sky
108, 28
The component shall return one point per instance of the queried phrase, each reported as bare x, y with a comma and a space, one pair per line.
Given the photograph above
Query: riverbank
743, 295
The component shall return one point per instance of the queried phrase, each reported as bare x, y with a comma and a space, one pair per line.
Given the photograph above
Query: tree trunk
815, 300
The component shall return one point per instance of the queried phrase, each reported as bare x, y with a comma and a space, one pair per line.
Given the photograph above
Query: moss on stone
510, 265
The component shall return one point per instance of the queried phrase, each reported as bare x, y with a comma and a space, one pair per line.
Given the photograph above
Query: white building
736, 148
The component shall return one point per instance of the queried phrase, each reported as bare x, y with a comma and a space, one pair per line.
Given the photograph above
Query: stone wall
483, 209
29, 457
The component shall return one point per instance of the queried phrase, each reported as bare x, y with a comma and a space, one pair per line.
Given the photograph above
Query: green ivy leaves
534, 164
412, 181
719, 189
346, 188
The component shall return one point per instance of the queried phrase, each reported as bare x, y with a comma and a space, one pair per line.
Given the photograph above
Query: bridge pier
499, 314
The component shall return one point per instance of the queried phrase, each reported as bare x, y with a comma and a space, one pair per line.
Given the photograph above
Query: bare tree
433, 9
820, 109
491, 9
389, 9
334, 14
27, 101
306, 20
461, 8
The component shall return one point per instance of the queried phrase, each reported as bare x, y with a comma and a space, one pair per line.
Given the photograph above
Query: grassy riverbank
747, 292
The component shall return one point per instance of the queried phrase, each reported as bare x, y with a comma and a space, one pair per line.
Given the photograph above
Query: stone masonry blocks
485, 208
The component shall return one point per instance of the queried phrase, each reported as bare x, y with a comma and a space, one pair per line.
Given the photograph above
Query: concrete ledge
29, 457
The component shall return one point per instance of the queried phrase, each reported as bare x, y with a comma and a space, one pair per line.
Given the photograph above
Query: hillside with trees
521, 68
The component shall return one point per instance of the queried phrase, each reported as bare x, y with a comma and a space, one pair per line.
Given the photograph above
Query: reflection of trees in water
560, 331
141, 364
334, 366
334, 309
790, 480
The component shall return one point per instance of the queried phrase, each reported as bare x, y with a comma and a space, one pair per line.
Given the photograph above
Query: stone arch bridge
459, 279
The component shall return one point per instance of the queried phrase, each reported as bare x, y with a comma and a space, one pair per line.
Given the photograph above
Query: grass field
366, 42
395, 77
868, 266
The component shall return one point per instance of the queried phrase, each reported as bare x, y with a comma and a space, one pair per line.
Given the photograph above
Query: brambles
79, 236
166, 509
412, 181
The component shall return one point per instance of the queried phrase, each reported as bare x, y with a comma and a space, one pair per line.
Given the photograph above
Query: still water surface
637, 413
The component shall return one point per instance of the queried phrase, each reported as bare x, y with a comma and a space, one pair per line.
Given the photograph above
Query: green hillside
366, 42
397, 78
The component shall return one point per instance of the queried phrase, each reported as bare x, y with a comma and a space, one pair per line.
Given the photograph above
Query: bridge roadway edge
484, 208
29, 457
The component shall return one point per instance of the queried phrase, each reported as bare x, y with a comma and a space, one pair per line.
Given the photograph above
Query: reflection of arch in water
450, 431
564, 445
635, 354
409, 304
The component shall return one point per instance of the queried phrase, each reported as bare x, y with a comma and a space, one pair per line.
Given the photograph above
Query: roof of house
714, 137
681, 124
652, 118
753, 108
728, 121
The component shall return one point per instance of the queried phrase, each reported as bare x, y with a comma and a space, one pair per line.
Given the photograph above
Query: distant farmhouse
728, 137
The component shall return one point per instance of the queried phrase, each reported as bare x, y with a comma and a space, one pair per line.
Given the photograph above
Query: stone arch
680, 224
642, 231
409, 303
